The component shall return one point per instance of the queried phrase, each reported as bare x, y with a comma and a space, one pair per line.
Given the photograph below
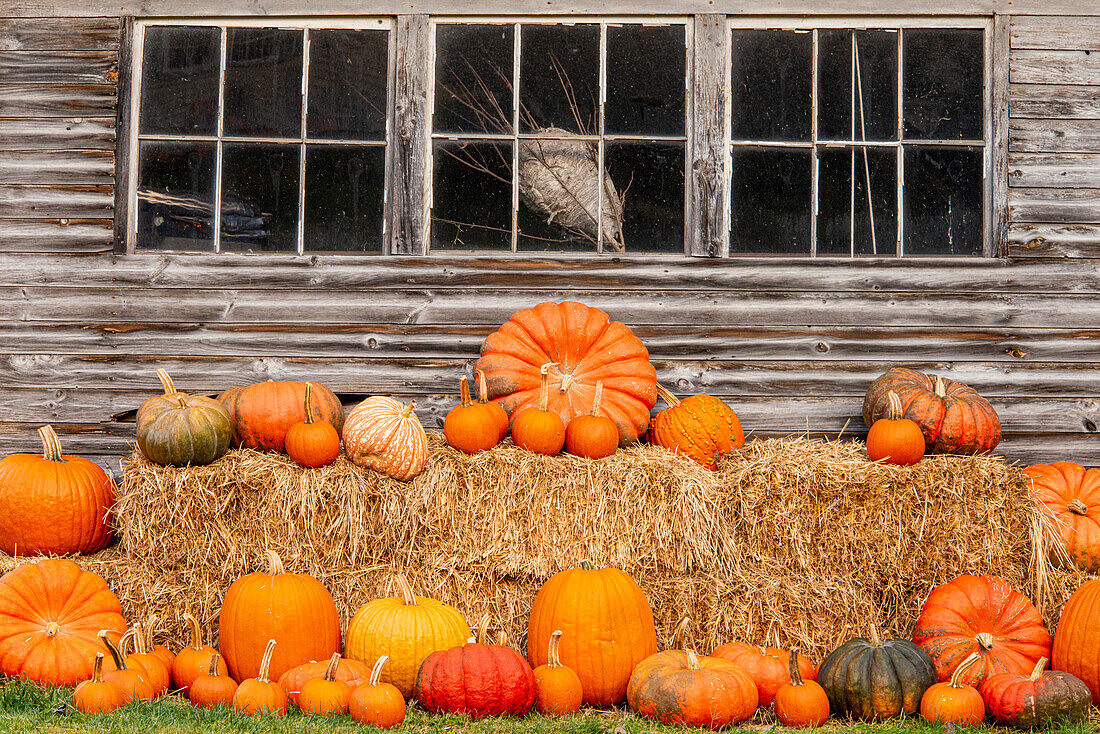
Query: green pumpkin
181, 430
876, 679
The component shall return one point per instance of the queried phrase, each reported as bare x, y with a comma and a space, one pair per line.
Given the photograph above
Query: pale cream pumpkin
385, 435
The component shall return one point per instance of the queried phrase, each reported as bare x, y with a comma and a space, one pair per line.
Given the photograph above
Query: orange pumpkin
214, 688
326, 695
295, 610
260, 695
377, 704
955, 419
800, 703
130, 680
585, 345
50, 614
603, 638
1077, 639
559, 687
954, 702
699, 427
96, 696
592, 436
679, 687
385, 435
1070, 494
192, 661
312, 443
156, 672
53, 504
768, 666
352, 672
264, 412
161, 651
470, 426
1037, 700
894, 439
537, 429
500, 415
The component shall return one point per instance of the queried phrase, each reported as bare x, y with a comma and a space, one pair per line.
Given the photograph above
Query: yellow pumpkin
385, 435
406, 628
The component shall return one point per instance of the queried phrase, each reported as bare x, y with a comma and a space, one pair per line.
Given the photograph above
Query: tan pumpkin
385, 435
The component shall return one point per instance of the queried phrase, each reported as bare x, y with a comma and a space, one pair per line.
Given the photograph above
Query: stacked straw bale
791, 540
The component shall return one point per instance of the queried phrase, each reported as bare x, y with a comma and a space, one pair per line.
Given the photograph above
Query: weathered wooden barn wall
790, 345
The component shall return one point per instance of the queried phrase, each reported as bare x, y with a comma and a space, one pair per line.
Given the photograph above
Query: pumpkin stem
265, 662
196, 631
406, 590
1077, 507
124, 641
693, 659
503, 641
166, 381
139, 638
118, 657
482, 630
679, 635
588, 566
464, 392
875, 640
482, 388
1037, 673
940, 388
97, 668
553, 659
213, 671
51, 444
309, 403
894, 411
792, 663
408, 409
275, 562
984, 640
596, 398
376, 671
330, 671
52, 628
964, 666
668, 397
544, 385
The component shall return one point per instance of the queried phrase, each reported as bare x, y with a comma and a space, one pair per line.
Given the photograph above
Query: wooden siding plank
47, 34
998, 206
1054, 136
1061, 101
1054, 240
56, 235
1063, 206
57, 134
1056, 32
75, 201
124, 136
55, 100
57, 167
409, 155
707, 231
1028, 66
1054, 170
59, 67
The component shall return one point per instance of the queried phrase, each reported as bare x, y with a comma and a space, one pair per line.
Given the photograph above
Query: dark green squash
1030, 702
876, 679
180, 429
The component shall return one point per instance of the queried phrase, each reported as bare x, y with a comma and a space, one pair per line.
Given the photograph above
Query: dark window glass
770, 201
473, 71
472, 196
347, 84
559, 82
943, 200
344, 194
649, 178
259, 197
645, 80
559, 197
943, 84
175, 195
851, 62
772, 83
179, 85
843, 209
263, 82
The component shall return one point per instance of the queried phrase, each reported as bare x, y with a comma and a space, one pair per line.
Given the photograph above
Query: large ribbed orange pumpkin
955, 419
385, 435
264, 412
679, 687
1071, 494
699, 427
1077, 639
607, 628
50, 614
295, 610
981, 614
53, 503
586, 346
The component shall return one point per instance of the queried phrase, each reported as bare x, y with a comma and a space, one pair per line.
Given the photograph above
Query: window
852, 142
261, 139
559, 137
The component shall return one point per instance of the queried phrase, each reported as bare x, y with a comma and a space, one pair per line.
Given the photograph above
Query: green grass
27, 707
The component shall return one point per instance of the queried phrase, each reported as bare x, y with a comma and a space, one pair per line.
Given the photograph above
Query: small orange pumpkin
212, 689
161, 651
377, 704
156, 672
767, 665
537, 429
500, 415
559, 687
95, 695
129, 680
325, 696
261, 695
312, 443
800, 703
471, 427
894, 439
699, 427
1070, 494
191, 661
385, 435
954, 702
352, 672
592, 436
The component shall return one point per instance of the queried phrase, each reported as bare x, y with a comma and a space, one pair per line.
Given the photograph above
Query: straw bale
790, 541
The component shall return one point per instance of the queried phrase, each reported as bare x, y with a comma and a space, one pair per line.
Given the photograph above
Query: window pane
645, 80
559, 193
840, 206
770, 200
943, 84
843, 112
344, 193
179, 83
943, 200
263, 82
649, 178
772, 81
472, 196
175, 192
559, 78
473, 71
347, 84
259, 197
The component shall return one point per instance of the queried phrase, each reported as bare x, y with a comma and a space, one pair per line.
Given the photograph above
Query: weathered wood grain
1054, 240
57, 133
1061, 101
1054, 136
78, 201
1056, 32
1054, 170
707, 231
1064, 206
125, 134
39, 101
70, 236
51, 34
57, 167
409, 154
1027, 66
59, 67
997, 245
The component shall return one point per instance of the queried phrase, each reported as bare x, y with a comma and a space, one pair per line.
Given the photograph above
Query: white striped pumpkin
385, 435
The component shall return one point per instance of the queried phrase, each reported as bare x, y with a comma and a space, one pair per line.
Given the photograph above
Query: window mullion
814, 172
302, 148
601, 82
517, 50
217, 223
